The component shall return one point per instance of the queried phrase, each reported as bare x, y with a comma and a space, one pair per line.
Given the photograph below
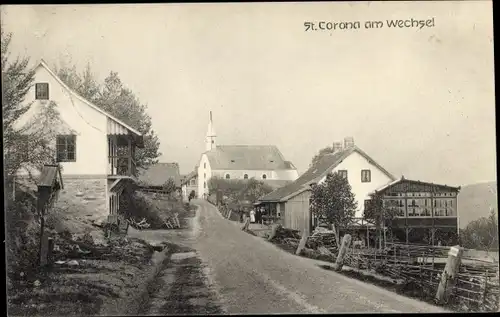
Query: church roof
316, 172
248, 157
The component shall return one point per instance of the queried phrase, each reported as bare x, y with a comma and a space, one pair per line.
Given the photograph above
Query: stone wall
81, 203
88, 193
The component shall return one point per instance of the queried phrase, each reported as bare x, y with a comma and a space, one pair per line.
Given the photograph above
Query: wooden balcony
122, 166
121, 153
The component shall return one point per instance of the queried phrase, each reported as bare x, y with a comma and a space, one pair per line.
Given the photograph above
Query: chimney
337, 147
348, 142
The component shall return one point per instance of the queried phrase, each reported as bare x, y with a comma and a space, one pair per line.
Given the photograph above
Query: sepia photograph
249, 158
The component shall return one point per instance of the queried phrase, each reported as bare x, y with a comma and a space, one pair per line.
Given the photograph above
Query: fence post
274, 229
448, 277
485, 290
50, 251
346, 241
229, 214
302, 243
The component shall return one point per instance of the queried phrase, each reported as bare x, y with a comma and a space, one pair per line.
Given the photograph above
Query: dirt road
246, 274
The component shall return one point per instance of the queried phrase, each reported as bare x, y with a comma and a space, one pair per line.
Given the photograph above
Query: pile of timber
143, 224
68, 247
323, 240
287, 236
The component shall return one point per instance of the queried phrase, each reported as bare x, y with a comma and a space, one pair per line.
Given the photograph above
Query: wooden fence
420, 267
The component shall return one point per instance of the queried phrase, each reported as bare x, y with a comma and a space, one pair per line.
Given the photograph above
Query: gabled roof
415, 182
275, 183
316, 172
247, 157
72, 92
158, 174
188, 177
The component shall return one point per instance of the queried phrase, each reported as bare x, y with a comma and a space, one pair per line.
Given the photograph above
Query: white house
190, 183
290, 204
262, 162
94, 149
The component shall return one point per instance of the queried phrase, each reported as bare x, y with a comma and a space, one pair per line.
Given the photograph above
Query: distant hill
475, 200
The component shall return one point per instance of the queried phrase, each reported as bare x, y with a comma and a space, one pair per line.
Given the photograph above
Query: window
213, 141
204, 165
366, 176
264, 176
227, 176
204, 184
66, 148
193, 182
42, 91
245, 176
343, 173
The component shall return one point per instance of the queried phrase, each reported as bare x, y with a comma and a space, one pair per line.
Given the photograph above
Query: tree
169, 186
334, 201
237, 189
253, 190
28, 145
321, 153
379, 214
481, 234
113, 97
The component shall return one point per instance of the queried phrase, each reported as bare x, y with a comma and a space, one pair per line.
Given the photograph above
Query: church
261, 162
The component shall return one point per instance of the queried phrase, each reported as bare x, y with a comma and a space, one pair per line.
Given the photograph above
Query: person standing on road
252, 215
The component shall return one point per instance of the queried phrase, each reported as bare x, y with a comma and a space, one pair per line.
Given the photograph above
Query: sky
419, 101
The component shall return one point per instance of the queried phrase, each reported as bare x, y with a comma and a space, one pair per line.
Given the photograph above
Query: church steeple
210, 138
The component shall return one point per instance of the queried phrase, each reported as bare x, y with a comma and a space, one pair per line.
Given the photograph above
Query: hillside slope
475, 201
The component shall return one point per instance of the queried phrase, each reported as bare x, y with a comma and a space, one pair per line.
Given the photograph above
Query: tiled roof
158, 174
188, 177
275, 183
325, 164
247, 157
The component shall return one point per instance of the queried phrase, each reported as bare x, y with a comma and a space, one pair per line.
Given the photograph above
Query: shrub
23, 236
138, 206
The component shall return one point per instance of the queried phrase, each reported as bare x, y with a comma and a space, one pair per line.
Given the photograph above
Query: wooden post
274, 229
336, 235
41, 252
14, 188
177, 222
130, 172
44, 248
448, 277
302, 243
485, 289
229, 214
346, 242
50, 251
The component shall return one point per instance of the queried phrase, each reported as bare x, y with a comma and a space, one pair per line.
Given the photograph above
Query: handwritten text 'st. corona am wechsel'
354, 25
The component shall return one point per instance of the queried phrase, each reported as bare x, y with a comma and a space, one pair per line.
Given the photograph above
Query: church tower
210, 143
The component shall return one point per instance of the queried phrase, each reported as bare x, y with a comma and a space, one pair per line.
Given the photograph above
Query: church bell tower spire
210, 138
